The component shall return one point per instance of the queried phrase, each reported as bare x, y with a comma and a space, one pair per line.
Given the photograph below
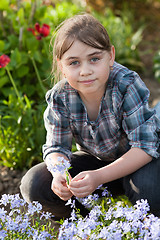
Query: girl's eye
74, 63
95, 59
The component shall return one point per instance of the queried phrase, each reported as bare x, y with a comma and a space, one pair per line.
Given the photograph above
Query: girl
104, 107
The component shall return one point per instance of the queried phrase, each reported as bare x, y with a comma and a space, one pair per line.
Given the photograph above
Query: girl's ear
112, 55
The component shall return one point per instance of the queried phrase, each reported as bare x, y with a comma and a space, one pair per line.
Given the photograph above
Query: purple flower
46, 215
2, 214
14, 200
118, 212
73, 216
143, 206
95, 212
100, 186
69, 232
34, 207
126, 227
89, 201
3, 234
71, 203
105, 193
61, 166
5, 199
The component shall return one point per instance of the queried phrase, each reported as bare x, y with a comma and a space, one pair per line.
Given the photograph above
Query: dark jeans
144, 183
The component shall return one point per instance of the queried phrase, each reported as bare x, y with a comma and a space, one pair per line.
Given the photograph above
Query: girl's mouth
87, 81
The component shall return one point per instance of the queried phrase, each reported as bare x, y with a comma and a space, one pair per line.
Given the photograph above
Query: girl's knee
25, 188
33, 182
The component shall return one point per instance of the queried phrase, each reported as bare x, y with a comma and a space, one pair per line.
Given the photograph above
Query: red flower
42, 31
4, 60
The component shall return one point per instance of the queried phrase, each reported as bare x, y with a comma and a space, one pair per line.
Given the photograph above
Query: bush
123, 38
21, 132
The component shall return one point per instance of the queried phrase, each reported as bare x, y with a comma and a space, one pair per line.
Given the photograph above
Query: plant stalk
38, 76
13, 83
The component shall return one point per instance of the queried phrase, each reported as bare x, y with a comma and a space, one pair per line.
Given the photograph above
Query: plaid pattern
125, 120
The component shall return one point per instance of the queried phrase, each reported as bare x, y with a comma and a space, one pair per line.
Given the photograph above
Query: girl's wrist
99, 176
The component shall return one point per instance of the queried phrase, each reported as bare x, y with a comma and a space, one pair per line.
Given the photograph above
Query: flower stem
13, 83
38, 76
67, 177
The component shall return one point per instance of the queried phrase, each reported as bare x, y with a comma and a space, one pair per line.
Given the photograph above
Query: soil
10, 179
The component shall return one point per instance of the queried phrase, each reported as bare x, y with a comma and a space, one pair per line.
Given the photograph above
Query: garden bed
10, 180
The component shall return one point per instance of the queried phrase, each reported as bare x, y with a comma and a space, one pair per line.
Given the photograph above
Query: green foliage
156, 61
123, 38
21, 45
21, 132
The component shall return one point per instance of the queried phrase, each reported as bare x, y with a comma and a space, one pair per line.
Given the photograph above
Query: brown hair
84, 28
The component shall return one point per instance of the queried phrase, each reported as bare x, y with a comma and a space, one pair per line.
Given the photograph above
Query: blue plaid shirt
125, 120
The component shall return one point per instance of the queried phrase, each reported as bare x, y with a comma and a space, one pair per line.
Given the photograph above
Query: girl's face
86, 68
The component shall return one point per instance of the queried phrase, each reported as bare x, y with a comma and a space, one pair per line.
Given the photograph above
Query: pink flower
40, 32
4, 60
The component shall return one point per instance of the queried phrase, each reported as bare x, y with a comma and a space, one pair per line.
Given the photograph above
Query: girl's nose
85, 70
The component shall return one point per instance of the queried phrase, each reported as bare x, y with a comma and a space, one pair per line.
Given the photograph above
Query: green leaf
4, 5
20, 15
2, 72
37, 56
2, 44
22, 71
25, 58
29, 91
27, 102
137, 37
15, 57
13, 40
3, 81
6, 91
32, 43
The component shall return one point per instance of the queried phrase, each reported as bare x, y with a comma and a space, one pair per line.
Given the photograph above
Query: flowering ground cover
108, 219
22, 220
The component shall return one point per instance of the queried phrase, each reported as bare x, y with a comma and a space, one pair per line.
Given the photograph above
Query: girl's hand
60, 188
84, 184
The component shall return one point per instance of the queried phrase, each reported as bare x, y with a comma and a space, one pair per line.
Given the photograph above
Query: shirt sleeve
139, 120
59, 136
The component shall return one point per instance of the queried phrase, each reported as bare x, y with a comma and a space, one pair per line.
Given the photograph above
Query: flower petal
45, 30
37, 27
4, 60
31, 30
